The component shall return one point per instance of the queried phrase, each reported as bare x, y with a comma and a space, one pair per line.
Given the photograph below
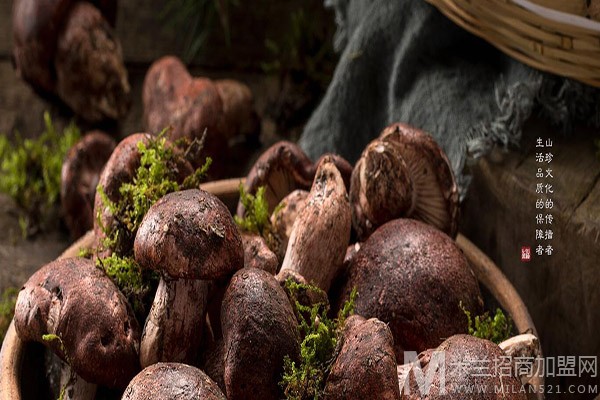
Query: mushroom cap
80, 174
257, 253
36, 27
259, 330
381, 188
120, 168
413, 277
364, 342
172, 381
190, 106
79, 303
282, 168
458, 352
434, 186
189, 234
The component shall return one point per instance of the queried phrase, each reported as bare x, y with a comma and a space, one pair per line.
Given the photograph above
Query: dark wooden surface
562, 291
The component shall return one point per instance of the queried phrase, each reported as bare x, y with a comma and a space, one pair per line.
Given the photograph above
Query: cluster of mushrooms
221, 322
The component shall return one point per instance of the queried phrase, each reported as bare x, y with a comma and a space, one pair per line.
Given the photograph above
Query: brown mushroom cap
189, 234
485, 373
259, 330
434, 187
190, 106
257, 253
76, 301
120, 168
79, 177
365, 367
413, 277
381, 188
172, 381
282, 168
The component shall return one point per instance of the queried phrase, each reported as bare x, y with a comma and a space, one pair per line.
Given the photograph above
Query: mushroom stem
321, 231
520, 347
75, 387
173, 330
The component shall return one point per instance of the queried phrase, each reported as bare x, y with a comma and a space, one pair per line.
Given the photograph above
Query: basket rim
545, 39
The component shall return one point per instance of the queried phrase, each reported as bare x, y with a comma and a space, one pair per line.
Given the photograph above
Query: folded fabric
403, 61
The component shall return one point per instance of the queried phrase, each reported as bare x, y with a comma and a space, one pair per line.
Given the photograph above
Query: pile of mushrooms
221, 323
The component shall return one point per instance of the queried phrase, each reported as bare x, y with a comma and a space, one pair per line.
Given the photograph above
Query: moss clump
30, 171
597, 143
7, 309
306, 379
257, 215
136, 284
155, 177
495, 328
257, 218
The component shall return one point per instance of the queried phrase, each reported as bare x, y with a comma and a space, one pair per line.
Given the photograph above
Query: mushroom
282, 219
321, 231
413, 277
259, 330
403, 173
520, 348
191, 106
189, 237
212, 362
283, 168
121, 168
365, 366
257, 254
172, 381
79, 177
189, 234
459, 365
173, 328
68, 48
73, 308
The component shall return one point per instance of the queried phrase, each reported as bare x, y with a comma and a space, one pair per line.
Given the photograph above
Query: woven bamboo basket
542, 37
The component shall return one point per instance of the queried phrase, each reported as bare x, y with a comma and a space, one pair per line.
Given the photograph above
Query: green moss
136, 284
306, 378
257, 215
597, 144
495, 328
7, 309
154, 178
30, 171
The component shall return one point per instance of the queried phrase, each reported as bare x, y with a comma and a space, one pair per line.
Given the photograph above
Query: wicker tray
543, 38
15, 356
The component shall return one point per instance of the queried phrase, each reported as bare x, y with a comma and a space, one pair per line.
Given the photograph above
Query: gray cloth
403, 61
